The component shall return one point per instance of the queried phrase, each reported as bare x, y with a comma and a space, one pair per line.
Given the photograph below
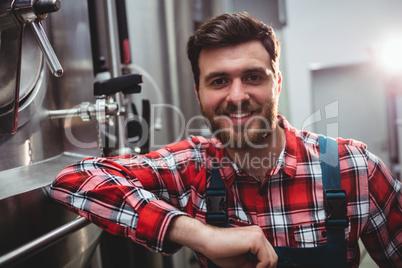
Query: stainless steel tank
35, 231
50, 118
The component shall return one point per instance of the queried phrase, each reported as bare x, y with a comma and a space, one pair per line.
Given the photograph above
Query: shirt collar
288, 159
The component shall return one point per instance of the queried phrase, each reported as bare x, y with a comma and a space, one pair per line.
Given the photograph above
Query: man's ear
279, 81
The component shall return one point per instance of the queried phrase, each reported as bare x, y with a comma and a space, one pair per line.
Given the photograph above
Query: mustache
244, 106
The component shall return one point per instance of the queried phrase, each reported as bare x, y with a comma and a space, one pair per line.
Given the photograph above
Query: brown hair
231, 29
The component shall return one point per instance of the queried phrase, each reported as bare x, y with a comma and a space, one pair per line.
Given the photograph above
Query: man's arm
104, 192
108, 193
382, 235
226, 247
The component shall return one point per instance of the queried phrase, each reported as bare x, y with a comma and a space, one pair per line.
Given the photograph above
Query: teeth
240, 115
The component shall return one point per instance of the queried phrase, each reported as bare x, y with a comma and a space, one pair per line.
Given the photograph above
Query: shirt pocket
313, 235
310, 235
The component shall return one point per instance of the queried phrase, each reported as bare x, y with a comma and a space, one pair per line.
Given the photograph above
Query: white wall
331, 33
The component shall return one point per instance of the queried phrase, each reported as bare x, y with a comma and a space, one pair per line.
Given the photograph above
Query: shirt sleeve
126, 196
382, 235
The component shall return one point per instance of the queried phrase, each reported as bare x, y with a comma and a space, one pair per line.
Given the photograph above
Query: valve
31, 13
105, 107
46, 6
14, 16
88, 111
101, 110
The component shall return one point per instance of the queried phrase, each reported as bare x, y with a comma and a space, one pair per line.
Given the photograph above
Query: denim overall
331, 254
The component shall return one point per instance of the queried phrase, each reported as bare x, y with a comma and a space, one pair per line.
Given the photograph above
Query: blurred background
109, 77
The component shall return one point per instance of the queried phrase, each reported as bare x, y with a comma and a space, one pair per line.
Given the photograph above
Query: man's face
238, 93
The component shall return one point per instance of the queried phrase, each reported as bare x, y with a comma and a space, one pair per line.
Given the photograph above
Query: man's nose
237, 93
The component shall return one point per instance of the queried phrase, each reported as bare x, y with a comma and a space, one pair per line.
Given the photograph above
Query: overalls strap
334, 252
335, 200
334, 196
216, 199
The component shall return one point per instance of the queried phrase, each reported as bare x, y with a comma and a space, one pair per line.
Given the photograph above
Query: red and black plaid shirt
137, 196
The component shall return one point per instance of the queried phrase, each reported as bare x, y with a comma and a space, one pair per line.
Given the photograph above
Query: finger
266, 256
274, 257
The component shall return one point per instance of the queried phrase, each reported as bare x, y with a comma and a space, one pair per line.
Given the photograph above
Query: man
270, 170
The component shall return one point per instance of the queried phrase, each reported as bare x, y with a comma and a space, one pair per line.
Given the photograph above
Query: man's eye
253, 78
219, 82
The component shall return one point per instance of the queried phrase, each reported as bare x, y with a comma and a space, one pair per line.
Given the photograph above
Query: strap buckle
216, 202
336, 208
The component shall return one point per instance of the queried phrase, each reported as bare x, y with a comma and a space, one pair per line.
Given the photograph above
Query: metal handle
44, 44
46, 6
43, 241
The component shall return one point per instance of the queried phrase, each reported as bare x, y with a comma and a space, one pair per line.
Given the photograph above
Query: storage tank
54, 55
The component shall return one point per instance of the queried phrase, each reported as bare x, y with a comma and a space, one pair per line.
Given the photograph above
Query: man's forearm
226, 247
189, 232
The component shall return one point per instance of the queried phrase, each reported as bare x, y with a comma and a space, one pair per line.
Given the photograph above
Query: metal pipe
61, 114
44, 44
114, 63
42, 242
173, 65
112, 38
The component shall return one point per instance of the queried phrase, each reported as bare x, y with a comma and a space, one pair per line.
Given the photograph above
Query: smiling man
238, 93
260, 194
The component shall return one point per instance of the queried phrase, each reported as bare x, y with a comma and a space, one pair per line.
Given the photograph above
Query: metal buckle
336, 208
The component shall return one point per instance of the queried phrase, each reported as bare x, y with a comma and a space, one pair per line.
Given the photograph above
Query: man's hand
226, 247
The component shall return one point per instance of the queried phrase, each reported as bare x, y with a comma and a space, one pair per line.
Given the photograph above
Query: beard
251, 135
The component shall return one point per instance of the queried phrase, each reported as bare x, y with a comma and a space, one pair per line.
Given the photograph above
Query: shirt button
324, 234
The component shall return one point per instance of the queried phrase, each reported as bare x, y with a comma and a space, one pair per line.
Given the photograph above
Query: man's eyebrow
262, 70
258, 70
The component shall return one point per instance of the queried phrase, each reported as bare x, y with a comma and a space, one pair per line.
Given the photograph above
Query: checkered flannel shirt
138, 196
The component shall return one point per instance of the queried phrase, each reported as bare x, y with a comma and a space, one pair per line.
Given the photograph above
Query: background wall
331, 33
